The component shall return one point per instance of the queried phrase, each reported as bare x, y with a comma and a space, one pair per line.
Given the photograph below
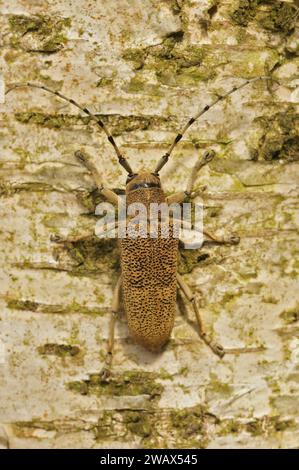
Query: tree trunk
145, 69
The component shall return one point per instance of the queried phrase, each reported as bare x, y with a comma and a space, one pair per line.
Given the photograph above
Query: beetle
149, 280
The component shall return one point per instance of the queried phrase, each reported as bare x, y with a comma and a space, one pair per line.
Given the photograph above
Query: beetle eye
146, 185
130, 177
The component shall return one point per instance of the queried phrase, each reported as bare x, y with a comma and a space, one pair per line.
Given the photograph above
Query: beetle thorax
144, 188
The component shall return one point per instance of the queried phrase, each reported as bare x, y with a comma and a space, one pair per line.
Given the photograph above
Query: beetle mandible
149, 280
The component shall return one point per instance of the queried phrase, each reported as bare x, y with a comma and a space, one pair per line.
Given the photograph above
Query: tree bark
145, 69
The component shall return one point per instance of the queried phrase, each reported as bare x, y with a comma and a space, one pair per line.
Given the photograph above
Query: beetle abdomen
149, 288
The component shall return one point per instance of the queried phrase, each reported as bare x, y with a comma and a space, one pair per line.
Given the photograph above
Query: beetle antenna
122, 160
166, 156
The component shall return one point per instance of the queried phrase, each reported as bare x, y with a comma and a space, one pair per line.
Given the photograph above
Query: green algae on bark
188, 421
189, 427
55, 121
272, 15
47, 33
279, 136
171, 64
90, 255
263, 426
38, 307
290, 315
180, 64
131, 383
190, 259
245, 12
127, 425
61, 350
281, 17
139, 423
117, 124
8, 189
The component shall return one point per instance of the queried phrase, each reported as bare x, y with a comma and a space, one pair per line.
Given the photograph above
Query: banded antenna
166, 156
122, 160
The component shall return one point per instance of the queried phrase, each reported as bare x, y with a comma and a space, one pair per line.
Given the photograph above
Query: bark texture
145, 68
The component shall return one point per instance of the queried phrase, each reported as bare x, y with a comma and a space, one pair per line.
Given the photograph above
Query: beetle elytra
149, 280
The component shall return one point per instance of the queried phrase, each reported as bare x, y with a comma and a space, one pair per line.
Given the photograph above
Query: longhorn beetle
149, 280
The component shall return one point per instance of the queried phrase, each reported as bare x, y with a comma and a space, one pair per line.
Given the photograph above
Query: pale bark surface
146, 67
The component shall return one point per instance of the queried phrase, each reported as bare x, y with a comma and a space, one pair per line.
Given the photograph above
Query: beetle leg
176, 198
191, 298
232, 240
206, 158
110, 195
106, 371
182, 195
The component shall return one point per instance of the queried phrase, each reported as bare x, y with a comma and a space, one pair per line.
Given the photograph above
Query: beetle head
142, 180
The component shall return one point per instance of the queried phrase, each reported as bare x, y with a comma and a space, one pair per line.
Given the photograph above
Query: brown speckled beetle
149, 280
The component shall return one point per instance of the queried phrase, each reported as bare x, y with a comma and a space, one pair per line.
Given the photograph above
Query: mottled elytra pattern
149, 269
149, 286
